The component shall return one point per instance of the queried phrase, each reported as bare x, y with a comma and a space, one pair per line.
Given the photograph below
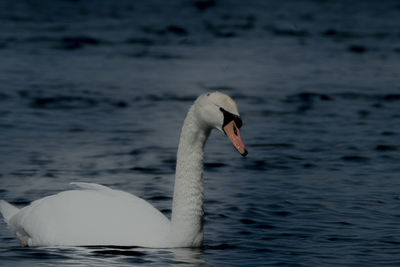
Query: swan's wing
96, 215
90, 186
7, 210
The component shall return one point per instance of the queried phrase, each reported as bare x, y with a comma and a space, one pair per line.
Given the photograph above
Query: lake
96, 91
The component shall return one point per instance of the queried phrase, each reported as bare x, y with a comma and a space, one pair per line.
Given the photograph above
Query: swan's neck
187, 207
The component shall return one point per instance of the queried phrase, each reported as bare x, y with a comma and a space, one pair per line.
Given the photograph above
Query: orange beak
233, 133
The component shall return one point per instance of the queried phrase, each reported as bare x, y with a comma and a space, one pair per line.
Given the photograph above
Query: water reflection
187, 257
105, 255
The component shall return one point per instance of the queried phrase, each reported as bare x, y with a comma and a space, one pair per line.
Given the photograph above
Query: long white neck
187, 206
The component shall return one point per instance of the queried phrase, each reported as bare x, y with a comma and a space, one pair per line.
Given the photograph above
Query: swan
94, 214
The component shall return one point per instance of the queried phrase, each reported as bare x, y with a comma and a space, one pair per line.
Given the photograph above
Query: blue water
96, 91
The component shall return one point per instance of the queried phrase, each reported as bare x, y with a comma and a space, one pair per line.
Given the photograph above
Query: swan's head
219, 111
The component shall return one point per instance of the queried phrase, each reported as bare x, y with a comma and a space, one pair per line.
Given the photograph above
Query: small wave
4, 96
141, 41
155, 55
171, 29
287, 32
339, 34
355, 158
160, 198
77, 42
388, 133
43, 254
386, 148
309, 165
277, 145
264, 165
222, 246
212, 166
165, 97
203, 5
73, 102
149, 170
120, 252
307, 97
359, 49
63, 102
247, 221
281, 213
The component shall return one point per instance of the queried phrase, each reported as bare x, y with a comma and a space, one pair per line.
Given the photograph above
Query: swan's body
98, 215
79, 217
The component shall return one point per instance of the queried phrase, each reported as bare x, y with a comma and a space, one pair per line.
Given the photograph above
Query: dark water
96, 91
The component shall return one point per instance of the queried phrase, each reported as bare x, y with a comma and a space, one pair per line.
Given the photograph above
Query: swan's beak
233, 133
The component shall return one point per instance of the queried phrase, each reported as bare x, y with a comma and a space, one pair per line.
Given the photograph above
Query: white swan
99, 215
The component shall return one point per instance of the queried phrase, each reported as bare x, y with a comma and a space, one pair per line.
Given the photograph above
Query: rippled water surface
96, 91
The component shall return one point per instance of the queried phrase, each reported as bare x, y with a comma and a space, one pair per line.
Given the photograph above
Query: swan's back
94, 215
